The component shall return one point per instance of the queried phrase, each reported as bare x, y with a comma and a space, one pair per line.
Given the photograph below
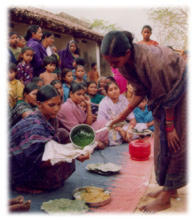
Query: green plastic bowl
82, 135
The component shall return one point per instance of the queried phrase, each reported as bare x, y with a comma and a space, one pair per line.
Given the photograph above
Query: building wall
87, 47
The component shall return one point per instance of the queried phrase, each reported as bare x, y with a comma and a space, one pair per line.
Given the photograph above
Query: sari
159, 74
27, 143
71, 115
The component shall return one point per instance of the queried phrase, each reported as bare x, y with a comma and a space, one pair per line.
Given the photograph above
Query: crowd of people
50, 92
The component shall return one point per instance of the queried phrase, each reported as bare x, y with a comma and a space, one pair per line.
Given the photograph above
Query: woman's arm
89, 119
134, 103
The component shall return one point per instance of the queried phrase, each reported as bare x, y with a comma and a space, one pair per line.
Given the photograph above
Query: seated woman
96, 98
111, 106
25, 107
71, 114
143, 115
28, 142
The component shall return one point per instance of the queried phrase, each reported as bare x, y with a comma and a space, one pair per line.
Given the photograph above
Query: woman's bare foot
17, 200
173, 193
28, 190
23, 207
162, 202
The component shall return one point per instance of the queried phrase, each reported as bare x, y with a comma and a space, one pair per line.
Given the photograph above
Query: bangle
169, 119
169, 129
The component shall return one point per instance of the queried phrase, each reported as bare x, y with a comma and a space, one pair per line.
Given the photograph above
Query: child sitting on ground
79, 73
101, 85
58, 85
67, 79
50, 66
24, 68
143, 115
112, 105
15, 87
94, 96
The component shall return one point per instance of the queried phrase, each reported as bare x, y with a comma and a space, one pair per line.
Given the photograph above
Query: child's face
80, 72
143, 104
68, 77
129, 88
21, 42
113, 91
40, 83
92, 89
58, 86
103, 83
50, 67
31, 97
13, 40
28, 56
11, 75
146, 33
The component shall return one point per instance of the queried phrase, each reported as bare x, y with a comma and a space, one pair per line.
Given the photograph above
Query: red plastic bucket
139, 149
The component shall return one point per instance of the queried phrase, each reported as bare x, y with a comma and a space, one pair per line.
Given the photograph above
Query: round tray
77, 193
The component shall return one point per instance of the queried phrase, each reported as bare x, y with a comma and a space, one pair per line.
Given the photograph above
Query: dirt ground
178, 205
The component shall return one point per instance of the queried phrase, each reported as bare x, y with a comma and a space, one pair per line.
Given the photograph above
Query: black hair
111, 78
93, 64
12, 33
108, 84
47, 34
46, 92
74, 87
55, 81
64, 72
116, 43
31, 29
29, 87
36, 79
80, 61
77, 66
12, 67
148, 27
49, 60
24, 49
91, 82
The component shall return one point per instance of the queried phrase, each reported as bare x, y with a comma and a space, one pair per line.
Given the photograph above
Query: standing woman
33, 37
68, 55
158, 73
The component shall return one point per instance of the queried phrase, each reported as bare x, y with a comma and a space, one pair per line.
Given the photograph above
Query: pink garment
121, 81
71, 115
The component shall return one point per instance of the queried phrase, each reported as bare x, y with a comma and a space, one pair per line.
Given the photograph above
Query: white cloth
56, 152
140, 127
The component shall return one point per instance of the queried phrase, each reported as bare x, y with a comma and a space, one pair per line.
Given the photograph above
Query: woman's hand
173, 141
82, 158
87, 100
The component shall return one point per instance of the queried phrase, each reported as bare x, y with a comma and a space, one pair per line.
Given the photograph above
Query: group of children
106, 96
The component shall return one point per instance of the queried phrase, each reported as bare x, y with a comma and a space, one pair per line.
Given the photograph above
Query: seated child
129, 93
101, 85
58, 85
24, 67
94, 96
143, 115
67, 79
111, 106
15, 87
79, 73
50, 66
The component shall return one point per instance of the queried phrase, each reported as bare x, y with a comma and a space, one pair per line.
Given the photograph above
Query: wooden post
98, 58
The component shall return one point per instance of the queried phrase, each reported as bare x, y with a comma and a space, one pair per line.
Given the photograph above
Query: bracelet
169, 119
169, 129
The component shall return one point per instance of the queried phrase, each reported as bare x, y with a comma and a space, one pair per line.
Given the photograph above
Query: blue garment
39, 54
143, 116
66, 90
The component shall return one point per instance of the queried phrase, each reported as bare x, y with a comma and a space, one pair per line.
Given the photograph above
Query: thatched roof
52, 22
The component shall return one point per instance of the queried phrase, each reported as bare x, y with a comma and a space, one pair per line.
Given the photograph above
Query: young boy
143, 115
79, 73
50, 65
15, 87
